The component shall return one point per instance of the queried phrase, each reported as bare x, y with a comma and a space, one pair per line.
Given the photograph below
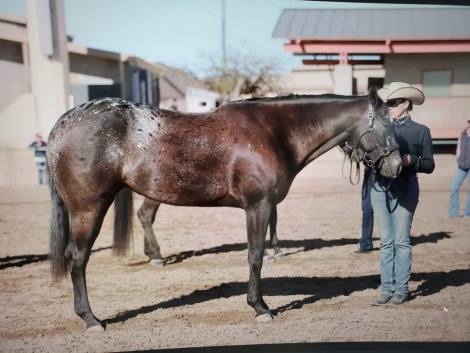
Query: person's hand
406, 160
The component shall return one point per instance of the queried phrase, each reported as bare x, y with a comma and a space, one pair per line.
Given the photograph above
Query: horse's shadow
430, 238
22, 260
306, 244
316, 288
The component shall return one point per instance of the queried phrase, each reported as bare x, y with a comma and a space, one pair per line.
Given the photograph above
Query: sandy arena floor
319, 292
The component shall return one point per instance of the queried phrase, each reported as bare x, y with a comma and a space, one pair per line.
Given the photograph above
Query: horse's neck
321, 127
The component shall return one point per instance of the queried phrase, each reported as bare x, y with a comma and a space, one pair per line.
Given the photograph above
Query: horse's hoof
279, 255
96, 328
268, 258
157, 263
263, 318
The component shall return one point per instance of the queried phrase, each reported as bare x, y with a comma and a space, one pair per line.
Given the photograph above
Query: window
377, 82
437, 83
203, 104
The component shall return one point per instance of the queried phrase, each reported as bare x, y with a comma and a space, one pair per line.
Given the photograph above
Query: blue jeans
365, 244
42, 174
394, 212
454, 193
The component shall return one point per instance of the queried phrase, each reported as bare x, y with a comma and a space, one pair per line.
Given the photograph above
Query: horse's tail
60, 233
123, 216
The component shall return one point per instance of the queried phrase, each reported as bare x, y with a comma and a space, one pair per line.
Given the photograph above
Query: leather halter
371, 158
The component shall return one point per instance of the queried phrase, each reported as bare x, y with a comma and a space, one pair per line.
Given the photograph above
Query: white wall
445, 116
14, 74
320, 79
409, 68
18, 122
200, 100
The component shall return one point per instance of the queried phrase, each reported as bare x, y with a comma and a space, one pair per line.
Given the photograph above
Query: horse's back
171, 157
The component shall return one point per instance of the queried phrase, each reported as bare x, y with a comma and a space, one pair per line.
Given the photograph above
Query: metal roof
173, 84
374, 24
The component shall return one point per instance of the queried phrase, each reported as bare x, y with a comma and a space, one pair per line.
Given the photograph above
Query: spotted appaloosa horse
244, 154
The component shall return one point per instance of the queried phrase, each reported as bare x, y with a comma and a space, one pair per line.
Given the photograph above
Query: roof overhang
13, 28
388, 46
97, 53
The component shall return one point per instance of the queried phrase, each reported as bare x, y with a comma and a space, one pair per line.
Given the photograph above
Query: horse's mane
292, 97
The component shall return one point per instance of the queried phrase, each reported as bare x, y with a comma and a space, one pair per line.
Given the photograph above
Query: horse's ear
373, 96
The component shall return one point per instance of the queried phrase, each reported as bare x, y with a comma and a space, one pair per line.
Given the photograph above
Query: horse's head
376, 138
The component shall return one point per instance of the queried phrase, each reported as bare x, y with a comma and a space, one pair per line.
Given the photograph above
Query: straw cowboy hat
401, 90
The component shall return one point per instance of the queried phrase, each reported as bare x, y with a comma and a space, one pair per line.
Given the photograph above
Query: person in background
357, 156
365, 244
395, 200
463, 161
174, 105
40, 158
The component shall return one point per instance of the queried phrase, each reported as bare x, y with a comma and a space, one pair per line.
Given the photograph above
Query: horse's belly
179, 186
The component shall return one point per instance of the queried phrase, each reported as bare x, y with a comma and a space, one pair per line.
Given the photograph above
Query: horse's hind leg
273, 237
146, 214
85, 226
273, 232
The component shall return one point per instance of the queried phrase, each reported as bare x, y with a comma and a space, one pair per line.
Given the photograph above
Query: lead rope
374, 179
358, 168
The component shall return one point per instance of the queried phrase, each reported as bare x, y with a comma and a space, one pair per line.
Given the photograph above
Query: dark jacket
415, 139
39, 151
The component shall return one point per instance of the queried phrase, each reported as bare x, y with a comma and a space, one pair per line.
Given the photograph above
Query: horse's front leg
257, 219
146, 214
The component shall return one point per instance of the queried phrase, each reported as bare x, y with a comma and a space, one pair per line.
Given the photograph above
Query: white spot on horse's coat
102, 100
113, 154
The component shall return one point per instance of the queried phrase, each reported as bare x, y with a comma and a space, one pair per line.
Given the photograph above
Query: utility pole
224, 52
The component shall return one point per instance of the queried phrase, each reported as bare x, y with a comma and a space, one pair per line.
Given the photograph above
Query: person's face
38, 138
397, 108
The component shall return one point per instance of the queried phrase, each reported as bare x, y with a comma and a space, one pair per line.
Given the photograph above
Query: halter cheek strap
370, 117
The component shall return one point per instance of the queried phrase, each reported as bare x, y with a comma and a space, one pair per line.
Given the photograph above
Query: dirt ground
319, 292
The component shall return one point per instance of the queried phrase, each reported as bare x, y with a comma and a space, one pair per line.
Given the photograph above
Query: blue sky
180, 33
